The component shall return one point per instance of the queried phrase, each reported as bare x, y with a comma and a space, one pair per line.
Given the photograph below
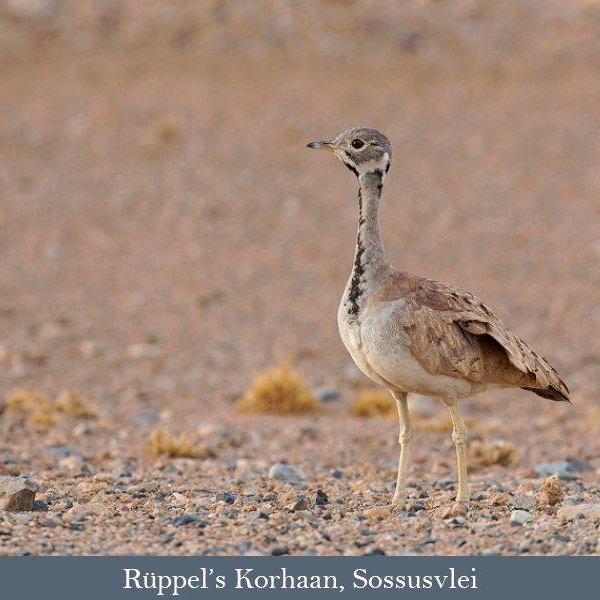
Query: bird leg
406, 434
459, 437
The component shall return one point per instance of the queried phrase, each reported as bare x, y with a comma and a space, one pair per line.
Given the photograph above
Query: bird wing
452, 332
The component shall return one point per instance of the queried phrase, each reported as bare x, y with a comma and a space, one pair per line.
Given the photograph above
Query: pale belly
383, 354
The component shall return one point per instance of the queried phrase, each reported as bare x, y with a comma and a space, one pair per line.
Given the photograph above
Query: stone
280, 551
79, 512
75, 464
456, 509
500, 499
284, 472
226, 497
327, 394
565, 469
17, 493
322, 499
523, 502
572, 512
337, 474
185, 519
301, 503
520, 517
378, 513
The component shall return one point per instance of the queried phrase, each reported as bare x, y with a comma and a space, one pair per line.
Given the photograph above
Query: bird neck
369, 257
368, 238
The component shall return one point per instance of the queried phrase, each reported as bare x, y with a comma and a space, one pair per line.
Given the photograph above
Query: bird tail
557, 394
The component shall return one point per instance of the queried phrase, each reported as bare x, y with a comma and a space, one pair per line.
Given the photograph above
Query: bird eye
358, 144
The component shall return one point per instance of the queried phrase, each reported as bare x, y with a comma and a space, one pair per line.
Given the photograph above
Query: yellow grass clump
484, 454
163, 443
43, 410
280, 391
71, 403
373, 403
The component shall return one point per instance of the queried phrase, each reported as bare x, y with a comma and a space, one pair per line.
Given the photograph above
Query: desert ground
165, 236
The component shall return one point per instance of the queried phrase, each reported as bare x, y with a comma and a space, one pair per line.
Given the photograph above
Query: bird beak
322, 145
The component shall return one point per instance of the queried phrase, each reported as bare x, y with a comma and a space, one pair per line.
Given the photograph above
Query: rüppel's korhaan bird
416, 335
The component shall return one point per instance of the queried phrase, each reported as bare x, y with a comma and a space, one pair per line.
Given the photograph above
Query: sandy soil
165, 235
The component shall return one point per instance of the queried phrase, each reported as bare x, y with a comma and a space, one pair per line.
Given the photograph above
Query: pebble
565, 469
143, 488
284, 472
301, 503
589, 511
75, 464
456, 509
322, 498
185, 519
500, 499
525, 502
327, 394
337, 474
280, 551
226, 497
520, 517
17, 493
82, 511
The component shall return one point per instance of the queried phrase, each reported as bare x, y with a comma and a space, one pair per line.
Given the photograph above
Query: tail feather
551, 393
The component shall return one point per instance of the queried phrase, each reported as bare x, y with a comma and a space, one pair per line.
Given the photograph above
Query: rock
457, 509
327, 394
520, 517
185, 519
337, 474
565, 469
492, 551
378, 513
280, 551
79, 512
226, 497
551, 492
588, 511
75, 464
148, 415
17, 493
287, 473
500, 499
322, 499
143, 488
525, 502
59, 451
301, 503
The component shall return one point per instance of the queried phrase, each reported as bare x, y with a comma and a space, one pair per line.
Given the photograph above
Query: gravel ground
165, 236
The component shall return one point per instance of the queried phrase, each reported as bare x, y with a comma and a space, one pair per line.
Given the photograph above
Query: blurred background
165, 234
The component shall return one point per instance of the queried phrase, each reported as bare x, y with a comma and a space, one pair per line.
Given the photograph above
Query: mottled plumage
417, 335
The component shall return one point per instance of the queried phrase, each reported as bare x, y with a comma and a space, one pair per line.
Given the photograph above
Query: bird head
361, 149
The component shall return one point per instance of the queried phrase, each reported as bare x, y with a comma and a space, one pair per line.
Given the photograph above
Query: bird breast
381, 350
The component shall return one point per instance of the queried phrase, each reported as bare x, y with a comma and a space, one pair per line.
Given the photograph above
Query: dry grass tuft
163, 443
70, 403
373, 403
280, 391
482, 454
41, 410
551, 492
